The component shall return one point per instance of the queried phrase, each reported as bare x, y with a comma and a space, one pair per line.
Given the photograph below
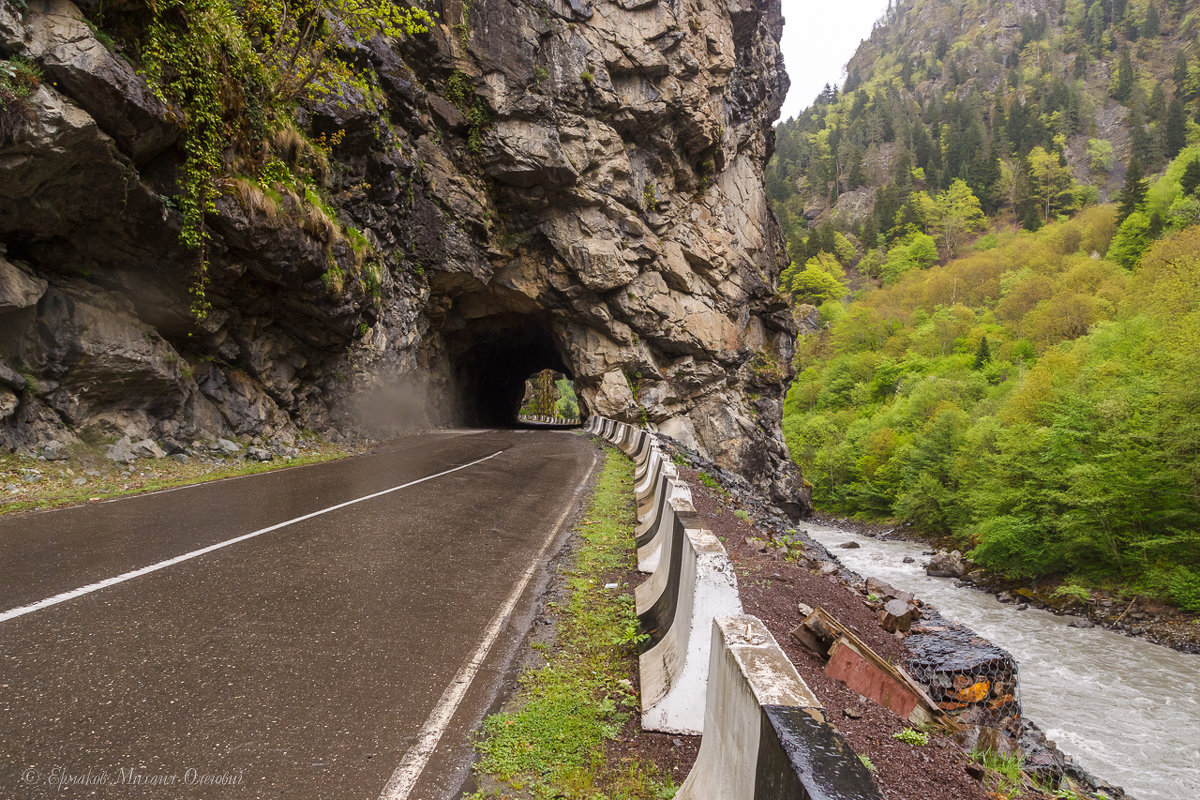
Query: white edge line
137, 573
405, 777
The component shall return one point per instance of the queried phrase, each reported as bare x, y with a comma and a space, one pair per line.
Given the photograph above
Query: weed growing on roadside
552, 743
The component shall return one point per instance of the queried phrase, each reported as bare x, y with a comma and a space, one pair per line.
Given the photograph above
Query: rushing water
1125, 709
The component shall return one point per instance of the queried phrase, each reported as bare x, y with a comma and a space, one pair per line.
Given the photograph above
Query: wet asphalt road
300, 663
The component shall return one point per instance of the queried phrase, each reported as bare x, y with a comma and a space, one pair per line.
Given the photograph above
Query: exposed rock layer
611, 223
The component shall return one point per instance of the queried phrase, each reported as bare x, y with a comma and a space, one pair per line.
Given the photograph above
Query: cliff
558, 184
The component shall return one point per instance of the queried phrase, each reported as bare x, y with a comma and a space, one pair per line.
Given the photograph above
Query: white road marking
415, 760
170, 562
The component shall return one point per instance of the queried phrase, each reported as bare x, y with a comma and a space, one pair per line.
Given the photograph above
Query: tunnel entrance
549, 399
494, 358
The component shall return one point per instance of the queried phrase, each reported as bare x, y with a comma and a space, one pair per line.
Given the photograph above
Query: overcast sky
818, 39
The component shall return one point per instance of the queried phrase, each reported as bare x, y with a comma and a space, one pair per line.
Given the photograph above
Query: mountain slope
1030, 393
947, 90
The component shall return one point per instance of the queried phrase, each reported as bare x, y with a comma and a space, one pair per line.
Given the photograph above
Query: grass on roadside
551, 741
54, 485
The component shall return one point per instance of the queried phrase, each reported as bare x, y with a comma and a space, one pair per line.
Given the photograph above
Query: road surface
330, 631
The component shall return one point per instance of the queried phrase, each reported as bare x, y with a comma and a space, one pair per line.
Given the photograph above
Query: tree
1050, 179
957, 214
1175, 136
1191, 177
1124, 89
816, 283
1151, 26
1134, 191
983, 353
1100, 155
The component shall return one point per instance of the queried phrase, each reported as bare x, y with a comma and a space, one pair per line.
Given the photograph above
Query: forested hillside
1002, 354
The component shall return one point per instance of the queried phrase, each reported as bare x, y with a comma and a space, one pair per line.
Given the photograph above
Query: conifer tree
1134, 191
1175, 136
1191, 177
1124, 76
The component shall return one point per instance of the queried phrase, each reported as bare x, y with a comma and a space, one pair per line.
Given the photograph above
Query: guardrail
707, 668
547, 419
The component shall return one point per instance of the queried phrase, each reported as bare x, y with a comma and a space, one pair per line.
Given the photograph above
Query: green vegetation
56, 484
18, 80
238, 70
460, 90
1005, 773
1031, 393
552, 742
550, 394
1034, 400
912, 736
989, 118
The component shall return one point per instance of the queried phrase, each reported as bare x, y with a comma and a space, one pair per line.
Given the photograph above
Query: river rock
946, 565
850, 545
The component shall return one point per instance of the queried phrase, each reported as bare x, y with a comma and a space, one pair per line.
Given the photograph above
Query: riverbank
780, 568
1144, 617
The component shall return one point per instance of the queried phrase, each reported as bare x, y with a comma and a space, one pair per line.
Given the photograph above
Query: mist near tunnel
493, 358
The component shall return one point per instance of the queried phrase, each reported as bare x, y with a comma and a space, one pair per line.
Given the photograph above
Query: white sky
818, 39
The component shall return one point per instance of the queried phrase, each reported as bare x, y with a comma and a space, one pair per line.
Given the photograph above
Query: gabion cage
971, 679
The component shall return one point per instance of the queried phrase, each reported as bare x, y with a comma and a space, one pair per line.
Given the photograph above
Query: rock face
607, 220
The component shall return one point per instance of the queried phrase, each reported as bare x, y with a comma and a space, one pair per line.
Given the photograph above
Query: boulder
259, 454
121, 451
897, 615
54, 451
147, 448
224, 447
11, 379
946, 565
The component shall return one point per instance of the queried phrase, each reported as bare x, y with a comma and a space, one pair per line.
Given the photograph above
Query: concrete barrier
707, 668
651, 535
765, 733
648, 493
694, 583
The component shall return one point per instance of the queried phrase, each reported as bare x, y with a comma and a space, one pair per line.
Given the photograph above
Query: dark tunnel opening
493, 358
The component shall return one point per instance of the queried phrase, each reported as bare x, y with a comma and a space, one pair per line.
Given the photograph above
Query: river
1125, 709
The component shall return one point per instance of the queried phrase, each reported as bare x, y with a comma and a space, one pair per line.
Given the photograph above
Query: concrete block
650, 537
700, 585
765, 733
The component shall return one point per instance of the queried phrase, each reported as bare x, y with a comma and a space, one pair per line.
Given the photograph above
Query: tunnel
492, 358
